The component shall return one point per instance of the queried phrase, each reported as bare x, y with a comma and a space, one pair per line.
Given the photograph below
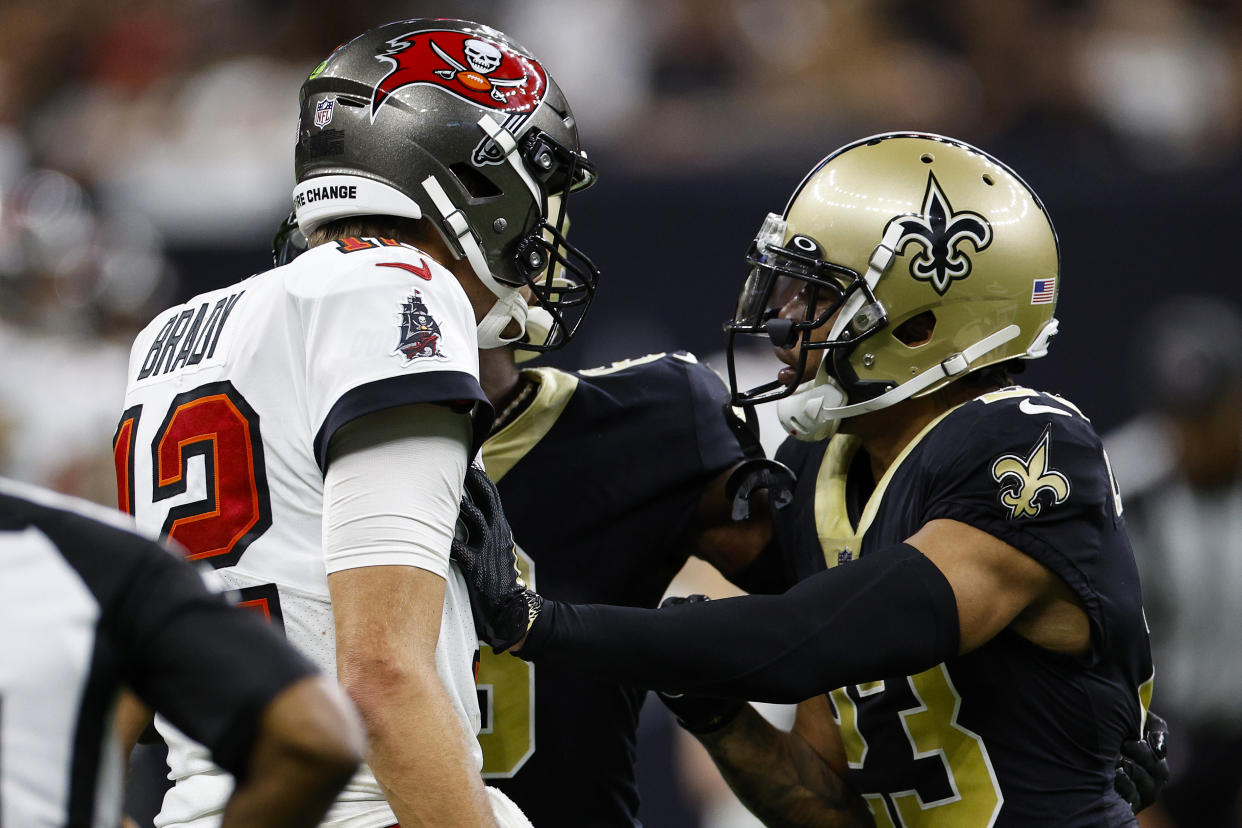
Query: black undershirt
859, 484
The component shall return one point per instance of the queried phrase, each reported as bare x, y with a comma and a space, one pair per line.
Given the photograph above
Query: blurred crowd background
146, 154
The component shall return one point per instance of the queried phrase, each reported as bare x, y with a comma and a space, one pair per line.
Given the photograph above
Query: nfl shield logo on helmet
323, 112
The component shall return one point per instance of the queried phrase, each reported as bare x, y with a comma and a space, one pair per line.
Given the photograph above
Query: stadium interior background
146, 155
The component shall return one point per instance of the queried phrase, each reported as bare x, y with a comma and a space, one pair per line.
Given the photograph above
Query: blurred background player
1181, 468
306, 431
980, 633
77, 278
88, 607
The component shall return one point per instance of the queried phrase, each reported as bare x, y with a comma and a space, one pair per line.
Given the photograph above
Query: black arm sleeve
890, 613
207, 666
765, 575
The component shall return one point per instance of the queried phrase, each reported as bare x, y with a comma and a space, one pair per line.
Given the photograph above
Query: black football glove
504, 609
698, 714
1143, 767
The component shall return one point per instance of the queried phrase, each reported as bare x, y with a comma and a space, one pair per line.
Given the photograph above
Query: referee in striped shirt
86, 607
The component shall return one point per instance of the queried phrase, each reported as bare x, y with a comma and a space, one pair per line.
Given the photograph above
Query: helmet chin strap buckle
955, 364
1039, 348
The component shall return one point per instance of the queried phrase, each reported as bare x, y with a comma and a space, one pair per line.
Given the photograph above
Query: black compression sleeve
765, 575
889, 613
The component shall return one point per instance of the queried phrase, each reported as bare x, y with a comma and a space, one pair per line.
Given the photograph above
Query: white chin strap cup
801, 414
511, 308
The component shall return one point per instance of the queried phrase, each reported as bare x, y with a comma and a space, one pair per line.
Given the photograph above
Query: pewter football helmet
454, 122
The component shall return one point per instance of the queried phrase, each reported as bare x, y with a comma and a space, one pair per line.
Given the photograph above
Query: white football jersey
232, 400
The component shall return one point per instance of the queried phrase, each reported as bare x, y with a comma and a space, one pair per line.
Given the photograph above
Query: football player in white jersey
306, 431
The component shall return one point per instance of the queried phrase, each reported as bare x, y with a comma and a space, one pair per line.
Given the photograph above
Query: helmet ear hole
917, 330
474, 182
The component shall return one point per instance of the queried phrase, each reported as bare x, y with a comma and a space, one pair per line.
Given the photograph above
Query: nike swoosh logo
422, 270
1028, 407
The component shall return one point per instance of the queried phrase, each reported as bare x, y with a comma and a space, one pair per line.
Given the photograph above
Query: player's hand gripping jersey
1005, 734
232, 401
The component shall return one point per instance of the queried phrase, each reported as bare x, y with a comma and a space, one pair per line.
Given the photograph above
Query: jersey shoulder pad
1032, 450
1014, 413
672, 394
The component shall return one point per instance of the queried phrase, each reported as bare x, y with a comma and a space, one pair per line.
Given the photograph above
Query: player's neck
886, 433
499, 376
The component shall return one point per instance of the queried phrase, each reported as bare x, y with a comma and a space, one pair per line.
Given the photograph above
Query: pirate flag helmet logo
479, 70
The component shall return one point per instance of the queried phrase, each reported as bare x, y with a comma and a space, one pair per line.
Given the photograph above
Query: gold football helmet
907, 260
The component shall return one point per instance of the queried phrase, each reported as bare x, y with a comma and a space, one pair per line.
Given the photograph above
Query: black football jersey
600, 478
1010, 734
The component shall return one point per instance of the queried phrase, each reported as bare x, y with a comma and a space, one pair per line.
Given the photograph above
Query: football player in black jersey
969, 601
647, 451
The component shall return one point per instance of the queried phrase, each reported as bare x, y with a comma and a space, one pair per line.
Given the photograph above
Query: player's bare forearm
132, 719
780, 778
421, 759
387, 626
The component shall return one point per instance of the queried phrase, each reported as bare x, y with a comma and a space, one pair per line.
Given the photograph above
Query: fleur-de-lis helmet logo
1024, 479
940, 231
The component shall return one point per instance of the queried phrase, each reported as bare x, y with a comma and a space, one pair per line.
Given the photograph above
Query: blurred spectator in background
180, 107
1180, 470
74, 281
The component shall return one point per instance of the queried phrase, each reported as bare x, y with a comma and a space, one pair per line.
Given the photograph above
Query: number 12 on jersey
213, 422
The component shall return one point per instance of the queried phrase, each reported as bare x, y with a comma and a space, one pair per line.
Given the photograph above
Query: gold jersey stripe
832, 525
503, 450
